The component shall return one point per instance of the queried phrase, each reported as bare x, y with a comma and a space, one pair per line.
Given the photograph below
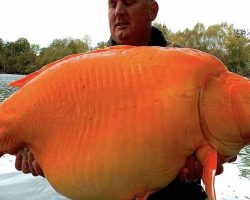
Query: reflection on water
6, 90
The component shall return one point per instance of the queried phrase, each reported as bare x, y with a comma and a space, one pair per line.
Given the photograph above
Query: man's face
129, 20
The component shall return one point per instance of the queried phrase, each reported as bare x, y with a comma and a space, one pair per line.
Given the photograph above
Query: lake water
233, 184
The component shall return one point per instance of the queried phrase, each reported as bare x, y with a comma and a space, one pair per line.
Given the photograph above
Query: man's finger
37, 168
25, 164
30, 161
18, 163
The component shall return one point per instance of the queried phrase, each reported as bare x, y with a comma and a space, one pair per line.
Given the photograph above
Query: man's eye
129, 2
112, 4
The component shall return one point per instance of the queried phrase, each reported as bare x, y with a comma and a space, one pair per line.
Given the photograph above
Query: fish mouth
225, 158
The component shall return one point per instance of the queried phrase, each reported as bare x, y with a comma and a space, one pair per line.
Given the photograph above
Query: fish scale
119, 123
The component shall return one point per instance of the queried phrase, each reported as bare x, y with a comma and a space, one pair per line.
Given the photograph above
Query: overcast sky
41, 21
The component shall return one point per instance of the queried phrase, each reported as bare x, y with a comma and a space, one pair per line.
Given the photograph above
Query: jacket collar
157, 39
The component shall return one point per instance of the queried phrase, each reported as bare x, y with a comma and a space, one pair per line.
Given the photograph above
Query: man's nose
120, 8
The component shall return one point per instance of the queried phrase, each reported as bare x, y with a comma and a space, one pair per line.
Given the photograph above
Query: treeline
21, 57
229, 44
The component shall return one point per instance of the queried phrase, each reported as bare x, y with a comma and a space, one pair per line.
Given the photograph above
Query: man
130, 23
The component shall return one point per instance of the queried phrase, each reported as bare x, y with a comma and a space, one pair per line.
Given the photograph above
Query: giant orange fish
119, 123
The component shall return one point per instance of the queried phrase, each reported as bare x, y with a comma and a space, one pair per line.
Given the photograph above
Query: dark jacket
176, 190
157, 39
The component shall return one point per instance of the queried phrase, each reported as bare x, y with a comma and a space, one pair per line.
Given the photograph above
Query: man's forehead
127, 0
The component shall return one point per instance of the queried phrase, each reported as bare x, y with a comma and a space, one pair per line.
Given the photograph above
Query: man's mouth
122, 24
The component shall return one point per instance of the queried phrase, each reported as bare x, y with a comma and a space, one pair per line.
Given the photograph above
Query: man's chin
122, 39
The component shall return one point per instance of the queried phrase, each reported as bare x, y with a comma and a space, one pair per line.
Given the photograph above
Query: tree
16, 56
24, 61
101, 45
78, 46
50, 54
230, 45
1, 54
238, 51
1, 45
224, 41
164, 29
60, 48
21, 45
35, 48
214, 38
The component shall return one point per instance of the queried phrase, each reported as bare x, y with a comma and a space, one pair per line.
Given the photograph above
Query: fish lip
226, 158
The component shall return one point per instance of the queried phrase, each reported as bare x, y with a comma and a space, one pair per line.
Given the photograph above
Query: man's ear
153, 10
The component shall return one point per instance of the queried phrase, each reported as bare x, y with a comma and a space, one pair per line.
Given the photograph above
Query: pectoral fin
207, 155
142, 197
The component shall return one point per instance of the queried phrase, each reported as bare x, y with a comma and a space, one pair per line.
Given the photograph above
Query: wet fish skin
119, 123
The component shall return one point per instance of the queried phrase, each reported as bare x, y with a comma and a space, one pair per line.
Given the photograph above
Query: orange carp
119, 123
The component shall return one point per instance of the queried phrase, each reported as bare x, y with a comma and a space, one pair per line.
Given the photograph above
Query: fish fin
143, 196
21, 82
207, 155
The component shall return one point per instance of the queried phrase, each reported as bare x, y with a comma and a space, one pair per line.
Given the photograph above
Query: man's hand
193, 170
26, 163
